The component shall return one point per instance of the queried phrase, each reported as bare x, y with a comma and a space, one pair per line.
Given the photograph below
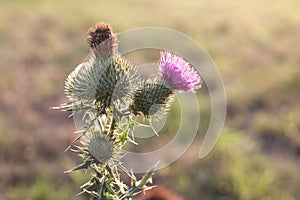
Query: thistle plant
109, 92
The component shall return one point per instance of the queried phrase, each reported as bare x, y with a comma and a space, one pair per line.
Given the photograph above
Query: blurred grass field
255, 44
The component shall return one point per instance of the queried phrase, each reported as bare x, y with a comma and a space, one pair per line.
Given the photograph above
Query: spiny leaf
84, 165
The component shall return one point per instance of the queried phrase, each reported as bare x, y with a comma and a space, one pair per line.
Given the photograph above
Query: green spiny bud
101, 80
152, 99
116, 82
100, 148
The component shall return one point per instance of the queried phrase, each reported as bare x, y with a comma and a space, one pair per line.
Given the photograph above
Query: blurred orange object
159, 193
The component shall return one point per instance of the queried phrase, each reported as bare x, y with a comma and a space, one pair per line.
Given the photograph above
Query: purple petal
178, 73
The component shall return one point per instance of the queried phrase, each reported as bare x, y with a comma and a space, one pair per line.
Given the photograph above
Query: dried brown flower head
102, 40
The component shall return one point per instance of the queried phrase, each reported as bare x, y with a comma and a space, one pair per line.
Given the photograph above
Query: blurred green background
254, 43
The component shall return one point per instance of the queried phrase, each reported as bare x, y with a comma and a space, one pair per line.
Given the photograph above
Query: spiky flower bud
101, 80
116, 82
100, 148
152, 99
102, 40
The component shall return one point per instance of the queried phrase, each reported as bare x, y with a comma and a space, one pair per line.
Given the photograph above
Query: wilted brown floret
98, 34
102, 40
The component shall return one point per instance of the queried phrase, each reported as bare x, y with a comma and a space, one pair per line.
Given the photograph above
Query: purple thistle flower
178, 73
